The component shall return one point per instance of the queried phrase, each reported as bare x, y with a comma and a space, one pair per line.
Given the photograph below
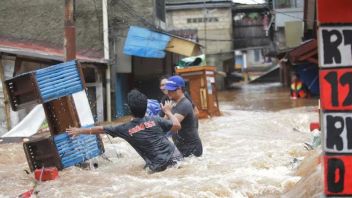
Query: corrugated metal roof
196, 4
193, 1
44, 52
307, 51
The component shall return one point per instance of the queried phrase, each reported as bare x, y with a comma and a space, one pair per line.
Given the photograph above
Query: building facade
36, 30
211, 21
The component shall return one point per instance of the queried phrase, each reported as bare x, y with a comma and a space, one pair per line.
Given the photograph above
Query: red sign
336, 89
334, 11
338, 175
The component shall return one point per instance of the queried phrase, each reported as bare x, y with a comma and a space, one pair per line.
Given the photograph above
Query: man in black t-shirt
163, 81
145, 134
187, 139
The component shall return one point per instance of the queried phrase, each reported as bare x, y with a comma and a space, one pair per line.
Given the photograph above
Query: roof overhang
250, 8
30, 50
306, 52
198, 5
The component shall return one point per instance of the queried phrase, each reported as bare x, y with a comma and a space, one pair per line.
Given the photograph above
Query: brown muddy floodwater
253, 150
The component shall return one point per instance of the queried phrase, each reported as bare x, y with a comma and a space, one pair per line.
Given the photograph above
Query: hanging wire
283, 13
126, 8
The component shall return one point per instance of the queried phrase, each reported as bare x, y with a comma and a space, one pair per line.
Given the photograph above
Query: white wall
221, 29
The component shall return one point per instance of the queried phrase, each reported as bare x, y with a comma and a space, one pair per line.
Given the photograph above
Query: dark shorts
195, 149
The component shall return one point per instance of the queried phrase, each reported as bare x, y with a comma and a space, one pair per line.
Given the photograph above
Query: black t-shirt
187, 139
165, 98
147, 136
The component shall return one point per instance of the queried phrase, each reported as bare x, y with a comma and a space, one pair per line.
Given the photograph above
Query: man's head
174, 83
137, 103
174, 86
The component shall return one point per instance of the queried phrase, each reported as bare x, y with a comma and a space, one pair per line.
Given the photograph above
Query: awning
146, 43
306, 52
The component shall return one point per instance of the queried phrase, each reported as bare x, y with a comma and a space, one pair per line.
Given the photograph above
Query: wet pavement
252, 150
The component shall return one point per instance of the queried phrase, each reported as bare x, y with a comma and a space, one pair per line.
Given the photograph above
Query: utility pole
70, 31
107, 57
205, 27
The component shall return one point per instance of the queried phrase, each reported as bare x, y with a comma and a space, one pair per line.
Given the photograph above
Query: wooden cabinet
200, 83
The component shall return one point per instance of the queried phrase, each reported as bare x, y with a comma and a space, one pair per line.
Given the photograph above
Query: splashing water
247, 153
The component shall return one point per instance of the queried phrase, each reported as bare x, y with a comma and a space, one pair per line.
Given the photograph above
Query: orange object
314, 125
46, 174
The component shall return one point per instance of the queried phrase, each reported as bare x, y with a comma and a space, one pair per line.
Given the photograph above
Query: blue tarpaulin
145, 43
309, 74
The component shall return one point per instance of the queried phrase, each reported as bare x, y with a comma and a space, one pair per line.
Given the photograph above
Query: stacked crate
55, 87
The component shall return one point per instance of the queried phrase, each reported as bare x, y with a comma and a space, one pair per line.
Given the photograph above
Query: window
286, 4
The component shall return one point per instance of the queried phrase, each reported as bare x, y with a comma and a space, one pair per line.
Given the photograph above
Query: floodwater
255, 149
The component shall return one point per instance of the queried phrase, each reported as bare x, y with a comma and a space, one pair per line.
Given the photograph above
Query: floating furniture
41, 151
61, 114
44, 85
57, 88
76, 150
200, 83
61, 151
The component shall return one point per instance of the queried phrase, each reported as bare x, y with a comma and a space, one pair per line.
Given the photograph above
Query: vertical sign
333, 11
335, 76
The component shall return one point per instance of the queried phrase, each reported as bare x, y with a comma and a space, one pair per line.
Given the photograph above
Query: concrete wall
42, 21
3, 127
215, 35
221, 29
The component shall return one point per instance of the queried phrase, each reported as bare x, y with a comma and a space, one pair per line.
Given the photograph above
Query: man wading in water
145, 134
187, 140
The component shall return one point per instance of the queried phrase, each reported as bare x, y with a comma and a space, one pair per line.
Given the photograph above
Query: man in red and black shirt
145, 134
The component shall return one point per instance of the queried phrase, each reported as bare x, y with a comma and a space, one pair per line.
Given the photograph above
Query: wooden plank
195, 68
